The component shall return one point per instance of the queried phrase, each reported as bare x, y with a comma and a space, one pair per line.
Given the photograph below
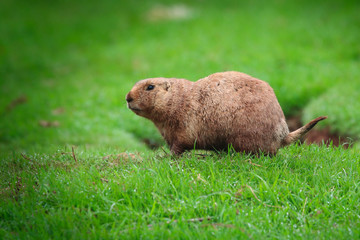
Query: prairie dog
226, 108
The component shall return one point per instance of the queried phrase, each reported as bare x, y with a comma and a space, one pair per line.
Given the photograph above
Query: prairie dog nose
129, 98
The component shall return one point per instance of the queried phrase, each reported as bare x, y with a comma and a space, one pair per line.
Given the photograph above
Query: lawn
76, 163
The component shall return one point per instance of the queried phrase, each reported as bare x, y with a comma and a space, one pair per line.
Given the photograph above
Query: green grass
84, 56
304, 192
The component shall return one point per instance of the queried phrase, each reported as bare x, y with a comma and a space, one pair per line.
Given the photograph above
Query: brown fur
228, 108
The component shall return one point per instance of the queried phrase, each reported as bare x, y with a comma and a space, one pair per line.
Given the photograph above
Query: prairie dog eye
150, 87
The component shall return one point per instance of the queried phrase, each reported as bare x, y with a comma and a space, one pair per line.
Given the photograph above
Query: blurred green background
66, 66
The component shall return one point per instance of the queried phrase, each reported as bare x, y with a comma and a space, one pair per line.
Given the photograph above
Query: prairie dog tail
297, 134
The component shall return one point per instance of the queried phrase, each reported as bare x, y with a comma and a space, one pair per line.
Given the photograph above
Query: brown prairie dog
227, 108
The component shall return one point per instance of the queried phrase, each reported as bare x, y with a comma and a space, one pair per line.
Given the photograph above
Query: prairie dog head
148, 96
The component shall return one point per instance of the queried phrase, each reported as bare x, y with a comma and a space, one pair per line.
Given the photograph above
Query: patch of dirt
318, 136
17, 101
152, 144
121, 158
174, 12
48, 124
58, 111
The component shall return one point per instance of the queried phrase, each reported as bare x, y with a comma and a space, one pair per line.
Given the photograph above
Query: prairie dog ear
166, 85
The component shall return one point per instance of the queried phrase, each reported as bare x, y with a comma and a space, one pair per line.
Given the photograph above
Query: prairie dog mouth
133, 109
